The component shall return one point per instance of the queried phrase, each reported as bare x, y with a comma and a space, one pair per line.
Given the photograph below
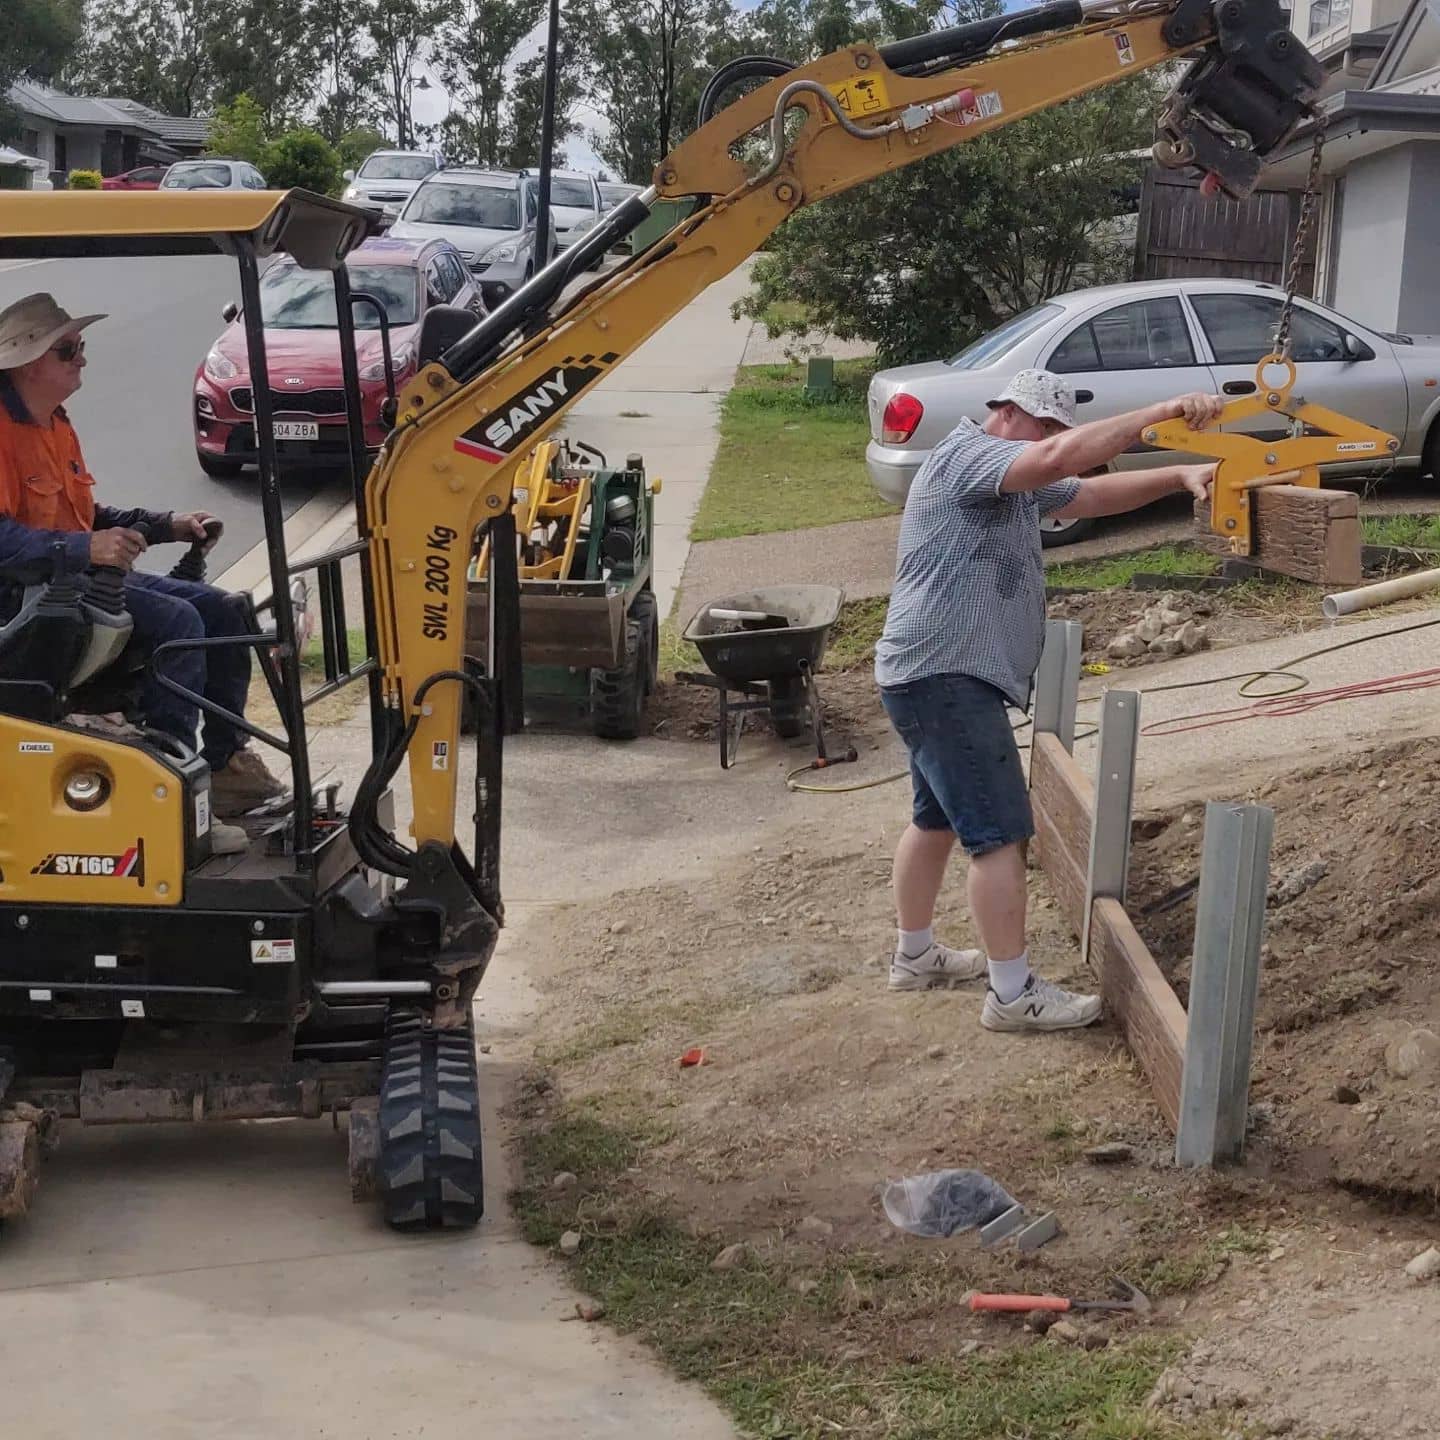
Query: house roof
1391, 66
177, 129
32, 98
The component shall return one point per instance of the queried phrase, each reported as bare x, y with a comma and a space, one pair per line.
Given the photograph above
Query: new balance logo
1033, 1010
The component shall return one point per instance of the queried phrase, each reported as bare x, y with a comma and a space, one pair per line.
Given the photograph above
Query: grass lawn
786, 461
751, 1335
1116, 570
1416, 532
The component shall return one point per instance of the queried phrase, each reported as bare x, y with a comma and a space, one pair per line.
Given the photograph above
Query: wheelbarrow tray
746, 657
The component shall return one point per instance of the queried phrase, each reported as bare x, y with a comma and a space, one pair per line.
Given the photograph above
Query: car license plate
297, 430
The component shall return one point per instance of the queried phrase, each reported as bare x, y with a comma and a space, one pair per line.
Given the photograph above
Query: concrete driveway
180, 1282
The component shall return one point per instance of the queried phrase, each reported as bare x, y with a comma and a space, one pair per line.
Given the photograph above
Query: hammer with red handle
1128, 1298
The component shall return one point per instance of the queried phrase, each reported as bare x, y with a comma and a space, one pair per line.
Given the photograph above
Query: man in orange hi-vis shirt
48, 515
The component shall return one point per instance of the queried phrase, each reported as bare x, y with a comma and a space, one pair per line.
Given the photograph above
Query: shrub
302, 159
84, 180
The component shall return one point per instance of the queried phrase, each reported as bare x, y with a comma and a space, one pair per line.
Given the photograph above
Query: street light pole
547, 140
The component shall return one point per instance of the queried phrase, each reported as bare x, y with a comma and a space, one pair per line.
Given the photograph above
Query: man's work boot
243, 785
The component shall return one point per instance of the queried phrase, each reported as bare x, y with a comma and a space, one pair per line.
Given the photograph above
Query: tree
474, 54
399, 30
923, 261
647, 65
239, 131
159, 52
520, 134
301, 159
266, 49
356, 144
349, 68
39, 38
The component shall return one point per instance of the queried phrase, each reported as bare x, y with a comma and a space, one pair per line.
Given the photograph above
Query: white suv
490, 217
388, 178
212, 174
576, 203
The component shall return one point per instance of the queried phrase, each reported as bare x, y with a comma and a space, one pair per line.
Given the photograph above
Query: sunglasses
68, 350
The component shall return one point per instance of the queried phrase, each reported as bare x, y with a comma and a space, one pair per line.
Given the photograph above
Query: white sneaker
1040, 1006
937, 968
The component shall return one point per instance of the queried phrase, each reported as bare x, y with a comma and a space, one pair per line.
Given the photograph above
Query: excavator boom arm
469, 418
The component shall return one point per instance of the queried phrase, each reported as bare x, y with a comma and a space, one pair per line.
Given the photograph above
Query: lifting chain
1302, 238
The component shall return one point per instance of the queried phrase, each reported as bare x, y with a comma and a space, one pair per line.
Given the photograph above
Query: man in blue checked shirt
961, 643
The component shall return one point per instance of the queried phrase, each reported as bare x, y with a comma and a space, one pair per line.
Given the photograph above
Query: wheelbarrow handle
1020, 1303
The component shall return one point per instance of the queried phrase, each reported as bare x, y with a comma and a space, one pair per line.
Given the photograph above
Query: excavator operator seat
65, 633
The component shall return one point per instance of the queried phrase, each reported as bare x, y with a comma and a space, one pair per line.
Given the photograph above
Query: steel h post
1057, 682
1114, 796
1224, 982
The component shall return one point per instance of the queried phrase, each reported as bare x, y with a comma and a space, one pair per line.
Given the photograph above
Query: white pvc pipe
1347, 602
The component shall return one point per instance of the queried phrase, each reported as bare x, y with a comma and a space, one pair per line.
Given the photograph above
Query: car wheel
1054, 532
1430, 456
217, 467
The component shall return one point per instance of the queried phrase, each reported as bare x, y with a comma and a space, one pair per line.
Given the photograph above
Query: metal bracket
1003, 1226
1114, 796
1057, 681
1224, 982
1248, 463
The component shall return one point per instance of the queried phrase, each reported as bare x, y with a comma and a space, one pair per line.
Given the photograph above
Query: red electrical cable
1297, 703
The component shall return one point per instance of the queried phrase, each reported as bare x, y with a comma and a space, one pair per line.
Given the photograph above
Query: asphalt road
133, 413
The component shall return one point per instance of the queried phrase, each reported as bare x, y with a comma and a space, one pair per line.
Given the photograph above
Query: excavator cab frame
142, 977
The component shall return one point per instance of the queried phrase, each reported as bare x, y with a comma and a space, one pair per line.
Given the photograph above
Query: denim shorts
964, 766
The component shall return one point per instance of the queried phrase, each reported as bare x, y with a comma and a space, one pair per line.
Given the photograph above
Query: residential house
77, 132
1379, 215
183, 135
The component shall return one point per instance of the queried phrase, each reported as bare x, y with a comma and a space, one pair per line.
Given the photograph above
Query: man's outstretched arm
1087, 447
1113, 494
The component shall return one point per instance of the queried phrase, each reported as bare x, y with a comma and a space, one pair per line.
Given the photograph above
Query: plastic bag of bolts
945, 1202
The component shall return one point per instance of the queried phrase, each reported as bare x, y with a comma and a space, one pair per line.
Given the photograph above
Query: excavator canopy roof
317, 231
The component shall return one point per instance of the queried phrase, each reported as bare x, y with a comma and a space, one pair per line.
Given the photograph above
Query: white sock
914, 943
1008, 977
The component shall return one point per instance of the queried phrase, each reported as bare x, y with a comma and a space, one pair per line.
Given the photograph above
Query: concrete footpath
1229, 761
664, 403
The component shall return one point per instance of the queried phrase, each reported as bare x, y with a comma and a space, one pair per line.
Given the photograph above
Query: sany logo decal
513, 421
127, 866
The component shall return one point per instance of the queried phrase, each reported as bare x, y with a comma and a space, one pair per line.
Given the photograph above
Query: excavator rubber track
431, 1171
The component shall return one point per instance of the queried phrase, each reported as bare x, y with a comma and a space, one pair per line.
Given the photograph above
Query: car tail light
902, 414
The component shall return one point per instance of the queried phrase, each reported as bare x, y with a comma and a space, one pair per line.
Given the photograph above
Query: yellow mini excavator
332, 967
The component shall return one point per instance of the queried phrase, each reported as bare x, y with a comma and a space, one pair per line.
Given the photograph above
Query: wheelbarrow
763, 648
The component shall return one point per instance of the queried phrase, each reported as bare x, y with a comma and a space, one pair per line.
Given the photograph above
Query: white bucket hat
29, 327
1040, 394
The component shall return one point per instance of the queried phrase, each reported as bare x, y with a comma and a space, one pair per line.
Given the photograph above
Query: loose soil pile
1351, 961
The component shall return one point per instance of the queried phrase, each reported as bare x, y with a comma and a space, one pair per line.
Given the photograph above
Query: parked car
388, 178
216, 174
302, 343
612, 193
1125, 346
490, 217
576, 203
146, 177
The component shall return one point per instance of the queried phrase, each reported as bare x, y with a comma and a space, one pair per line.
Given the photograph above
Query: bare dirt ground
1351, 962
853, 714
1279, 1285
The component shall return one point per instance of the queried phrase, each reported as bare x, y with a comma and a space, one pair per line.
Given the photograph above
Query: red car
303, 352
147, 177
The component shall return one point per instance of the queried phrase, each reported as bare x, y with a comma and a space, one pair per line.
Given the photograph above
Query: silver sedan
1125, 346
